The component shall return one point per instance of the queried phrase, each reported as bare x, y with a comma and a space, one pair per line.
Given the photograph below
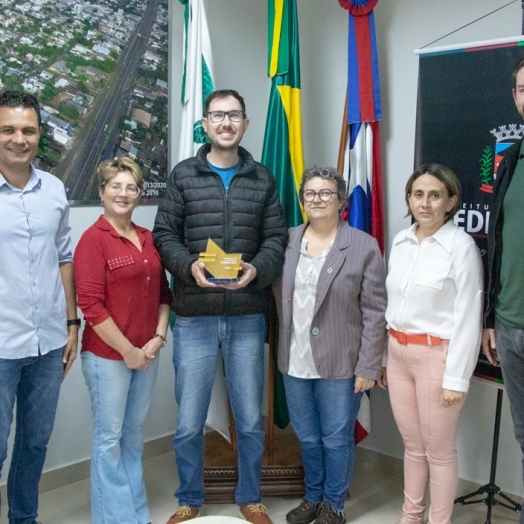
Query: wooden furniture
282, 472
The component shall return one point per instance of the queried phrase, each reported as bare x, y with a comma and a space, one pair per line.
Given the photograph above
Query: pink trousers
414, 374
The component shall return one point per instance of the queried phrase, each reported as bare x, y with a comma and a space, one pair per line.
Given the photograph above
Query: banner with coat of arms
466, 119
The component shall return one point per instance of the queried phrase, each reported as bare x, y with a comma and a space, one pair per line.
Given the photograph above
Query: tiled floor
376, 497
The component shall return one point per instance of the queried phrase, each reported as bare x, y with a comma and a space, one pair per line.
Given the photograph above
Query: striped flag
283, 152
359, 158
197, 79
360, 163
197, 84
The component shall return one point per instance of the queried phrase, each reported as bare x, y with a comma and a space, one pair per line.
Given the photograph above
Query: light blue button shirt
34, 239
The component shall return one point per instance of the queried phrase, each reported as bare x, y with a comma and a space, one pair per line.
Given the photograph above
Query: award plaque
223, 267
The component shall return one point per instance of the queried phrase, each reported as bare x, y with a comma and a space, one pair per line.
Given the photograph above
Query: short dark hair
21, 99
223, 93
326, 173
444, 175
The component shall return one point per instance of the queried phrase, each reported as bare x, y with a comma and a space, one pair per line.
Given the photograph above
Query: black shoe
304, 514
328, 515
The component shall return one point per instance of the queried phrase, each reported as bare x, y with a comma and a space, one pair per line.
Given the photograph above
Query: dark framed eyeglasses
324, 194
236, 115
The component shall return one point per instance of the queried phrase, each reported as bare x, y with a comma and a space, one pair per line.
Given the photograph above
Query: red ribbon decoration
358, 7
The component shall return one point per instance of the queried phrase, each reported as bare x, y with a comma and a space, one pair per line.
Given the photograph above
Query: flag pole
343, 138
522, 5
272, 337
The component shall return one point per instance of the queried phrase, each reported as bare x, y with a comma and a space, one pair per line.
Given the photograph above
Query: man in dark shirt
503, 338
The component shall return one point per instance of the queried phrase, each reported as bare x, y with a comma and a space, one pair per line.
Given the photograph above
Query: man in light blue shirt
38, 324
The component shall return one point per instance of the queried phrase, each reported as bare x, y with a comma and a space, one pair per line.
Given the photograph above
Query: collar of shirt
34, 180
521, 151
444, 235
104, 224
303, 249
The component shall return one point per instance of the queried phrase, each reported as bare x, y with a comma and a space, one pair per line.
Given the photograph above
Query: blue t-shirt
226, 173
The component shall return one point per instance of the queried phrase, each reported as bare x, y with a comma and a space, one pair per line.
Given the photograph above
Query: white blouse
436, 288
301, 363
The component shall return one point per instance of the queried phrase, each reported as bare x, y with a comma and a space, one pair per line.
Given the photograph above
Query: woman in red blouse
124, 296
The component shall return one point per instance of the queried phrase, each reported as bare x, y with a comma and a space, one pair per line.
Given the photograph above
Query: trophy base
223, 280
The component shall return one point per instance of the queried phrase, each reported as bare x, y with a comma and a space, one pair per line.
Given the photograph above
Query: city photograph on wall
99, 71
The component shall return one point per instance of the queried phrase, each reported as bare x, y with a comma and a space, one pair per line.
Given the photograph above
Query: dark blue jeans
323, 414
35, 383
510, 347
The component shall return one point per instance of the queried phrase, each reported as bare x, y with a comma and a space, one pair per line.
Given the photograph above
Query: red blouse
114, 279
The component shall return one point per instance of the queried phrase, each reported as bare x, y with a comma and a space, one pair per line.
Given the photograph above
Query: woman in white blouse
434, 316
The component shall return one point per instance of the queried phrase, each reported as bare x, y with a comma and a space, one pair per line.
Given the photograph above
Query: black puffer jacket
248, 220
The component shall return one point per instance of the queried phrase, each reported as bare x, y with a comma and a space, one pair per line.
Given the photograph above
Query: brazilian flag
283, 152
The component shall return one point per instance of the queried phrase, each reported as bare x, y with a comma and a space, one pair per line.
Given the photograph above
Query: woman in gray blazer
331, 301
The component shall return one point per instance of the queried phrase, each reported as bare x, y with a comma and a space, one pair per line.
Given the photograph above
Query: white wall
239, 38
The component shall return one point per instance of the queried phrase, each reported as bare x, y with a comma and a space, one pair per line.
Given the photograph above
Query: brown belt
422, 340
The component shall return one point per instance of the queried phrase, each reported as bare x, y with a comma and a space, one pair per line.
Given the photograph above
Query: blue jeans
323, 414
35, 382
510, 348
196, 341
120, 400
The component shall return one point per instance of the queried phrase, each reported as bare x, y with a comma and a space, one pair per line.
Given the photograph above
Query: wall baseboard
66, 475
60, 477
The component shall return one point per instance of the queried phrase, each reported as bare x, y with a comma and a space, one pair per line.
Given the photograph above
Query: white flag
197, 80
197, 84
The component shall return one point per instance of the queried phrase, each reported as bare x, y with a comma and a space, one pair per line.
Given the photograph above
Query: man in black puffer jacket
222, 194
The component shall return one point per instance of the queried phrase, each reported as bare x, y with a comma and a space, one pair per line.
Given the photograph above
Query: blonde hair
108, 170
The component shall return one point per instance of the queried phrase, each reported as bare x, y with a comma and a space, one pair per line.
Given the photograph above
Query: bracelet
162, 338
74, 322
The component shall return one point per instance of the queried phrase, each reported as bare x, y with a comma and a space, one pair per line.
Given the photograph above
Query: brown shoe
255, 513
182, 514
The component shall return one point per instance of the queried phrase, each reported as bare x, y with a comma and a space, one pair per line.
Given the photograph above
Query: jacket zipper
227, 241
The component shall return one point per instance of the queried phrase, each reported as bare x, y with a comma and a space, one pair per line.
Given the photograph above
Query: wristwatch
74, 322
162, 338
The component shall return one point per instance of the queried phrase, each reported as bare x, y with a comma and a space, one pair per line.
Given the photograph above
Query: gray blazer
348, 331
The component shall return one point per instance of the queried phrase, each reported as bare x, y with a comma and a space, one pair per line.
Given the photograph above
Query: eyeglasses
236, 115
324, 194
116, 189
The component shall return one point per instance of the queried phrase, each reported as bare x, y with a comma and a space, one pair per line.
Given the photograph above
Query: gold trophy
223, 267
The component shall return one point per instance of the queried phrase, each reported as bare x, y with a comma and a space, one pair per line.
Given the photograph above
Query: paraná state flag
197, 84
197, 77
